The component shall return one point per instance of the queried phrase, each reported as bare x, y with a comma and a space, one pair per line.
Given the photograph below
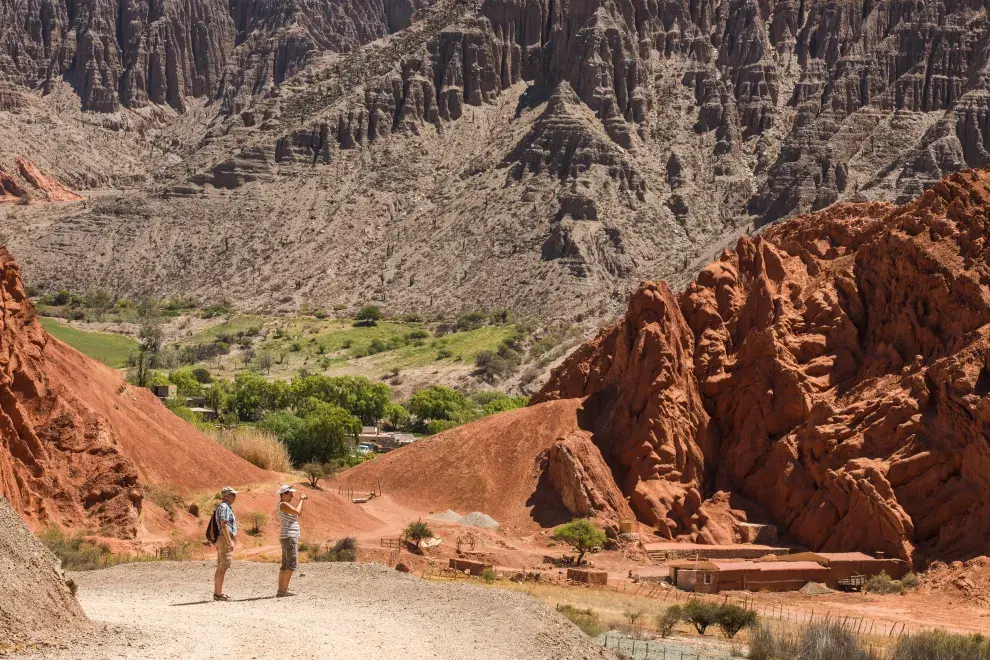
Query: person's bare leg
283, 580
218, 580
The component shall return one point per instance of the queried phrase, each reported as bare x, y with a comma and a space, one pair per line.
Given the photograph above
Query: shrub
165, 497
439, 426
314, 471
819, 641
587, 620
343, 550
632, 616
580, 534
471, 321
78, 554
368, 315
202, 375
911, 581
258, 522
256, 446
701, 614
883, 584
732, 619
941, 645
489, 575
668, 620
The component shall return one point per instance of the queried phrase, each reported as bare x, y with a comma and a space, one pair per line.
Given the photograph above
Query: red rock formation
10, 189
46, 185
76, 442
833, 372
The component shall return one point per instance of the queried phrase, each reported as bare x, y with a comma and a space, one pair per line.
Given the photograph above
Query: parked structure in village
783, 573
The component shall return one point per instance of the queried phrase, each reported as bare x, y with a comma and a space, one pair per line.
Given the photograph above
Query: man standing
225, 539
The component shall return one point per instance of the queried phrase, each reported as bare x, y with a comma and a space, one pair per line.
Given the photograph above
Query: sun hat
286, 489
227, 490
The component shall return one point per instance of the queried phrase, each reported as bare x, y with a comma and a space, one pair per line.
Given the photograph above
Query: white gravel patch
347, 611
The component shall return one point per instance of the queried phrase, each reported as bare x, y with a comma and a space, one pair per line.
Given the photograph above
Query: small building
843, 565
163, 391
469, 566
715, 575
588, 576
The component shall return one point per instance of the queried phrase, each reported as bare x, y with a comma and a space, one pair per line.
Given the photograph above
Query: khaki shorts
224, 555
290, 554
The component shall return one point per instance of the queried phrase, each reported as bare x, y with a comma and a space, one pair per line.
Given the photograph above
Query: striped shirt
226, 515
288, 524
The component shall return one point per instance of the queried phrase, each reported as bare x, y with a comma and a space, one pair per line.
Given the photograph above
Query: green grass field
110, 349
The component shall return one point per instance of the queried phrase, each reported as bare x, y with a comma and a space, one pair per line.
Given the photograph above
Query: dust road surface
353, 611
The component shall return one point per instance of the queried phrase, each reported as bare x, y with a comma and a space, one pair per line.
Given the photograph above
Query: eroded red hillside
77, 443
830, 375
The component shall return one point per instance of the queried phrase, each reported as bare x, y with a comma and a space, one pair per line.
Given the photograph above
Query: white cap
286, 489
227, 490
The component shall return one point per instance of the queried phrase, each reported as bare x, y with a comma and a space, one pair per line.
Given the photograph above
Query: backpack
213, 528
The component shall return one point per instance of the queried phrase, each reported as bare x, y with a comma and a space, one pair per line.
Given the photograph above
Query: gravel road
353, 611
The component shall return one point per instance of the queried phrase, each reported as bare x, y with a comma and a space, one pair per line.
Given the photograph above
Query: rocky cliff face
597, 142
134, 52
831, 375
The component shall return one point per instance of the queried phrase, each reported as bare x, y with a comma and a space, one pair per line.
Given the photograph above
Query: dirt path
354, 611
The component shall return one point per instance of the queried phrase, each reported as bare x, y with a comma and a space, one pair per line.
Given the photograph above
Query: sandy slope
341, 611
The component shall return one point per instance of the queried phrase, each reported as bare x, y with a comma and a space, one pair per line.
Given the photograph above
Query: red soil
493, 465
77, 443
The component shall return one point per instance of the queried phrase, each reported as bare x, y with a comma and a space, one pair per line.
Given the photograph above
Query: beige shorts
224, 554
290, 554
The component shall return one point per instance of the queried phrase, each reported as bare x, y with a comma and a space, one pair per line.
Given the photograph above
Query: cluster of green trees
439, 408
319, 417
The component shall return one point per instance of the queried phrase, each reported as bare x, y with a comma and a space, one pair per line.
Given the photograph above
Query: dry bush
258, 447
941, 645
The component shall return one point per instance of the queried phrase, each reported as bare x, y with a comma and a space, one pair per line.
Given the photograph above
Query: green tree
185, 382
493, 402
328, 432
439, 402
253, 396
358, 395
396, 416
369, 315
418, 531
701, 614
668, 619
284, 425
580, 534
732, 619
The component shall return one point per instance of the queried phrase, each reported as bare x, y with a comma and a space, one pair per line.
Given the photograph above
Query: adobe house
842, 565
715, 575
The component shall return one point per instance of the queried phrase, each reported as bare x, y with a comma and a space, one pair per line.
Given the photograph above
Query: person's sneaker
221, 597
283, 594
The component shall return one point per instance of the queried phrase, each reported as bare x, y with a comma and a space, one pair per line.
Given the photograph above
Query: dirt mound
833, 372
499, 465
815, 589
969, 580
37, 605
77, 443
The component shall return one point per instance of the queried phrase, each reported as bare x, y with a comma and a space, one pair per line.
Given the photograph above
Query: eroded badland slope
544, 156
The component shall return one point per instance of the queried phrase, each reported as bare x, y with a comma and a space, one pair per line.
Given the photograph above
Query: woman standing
288, 536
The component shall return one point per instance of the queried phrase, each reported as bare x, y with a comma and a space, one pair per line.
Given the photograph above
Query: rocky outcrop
832, 373
583, 481
32, 185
